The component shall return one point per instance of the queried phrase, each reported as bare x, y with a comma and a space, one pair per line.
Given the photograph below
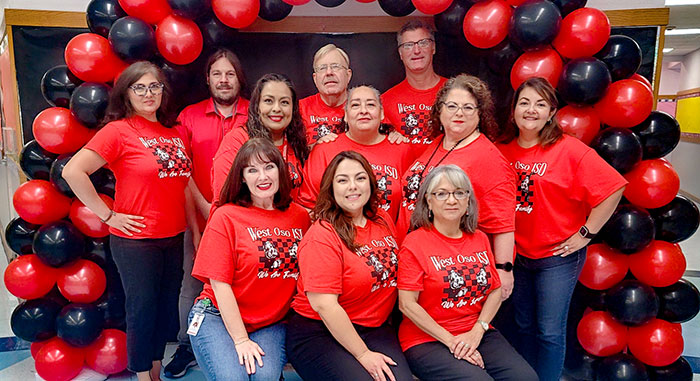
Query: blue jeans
541, 295
216, 354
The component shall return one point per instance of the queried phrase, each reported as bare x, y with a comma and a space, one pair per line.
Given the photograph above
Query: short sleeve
596, 180
224, 157
183, 128
313, 171
107, 142
216, 256
497, 207
411, 273
321, 262
496, 279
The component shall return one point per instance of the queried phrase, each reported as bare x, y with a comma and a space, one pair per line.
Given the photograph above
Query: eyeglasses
468, 109
335, 67
141, 90
444, 195
424, 43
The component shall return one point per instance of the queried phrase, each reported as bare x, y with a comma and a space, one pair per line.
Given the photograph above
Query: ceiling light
679, 32
682, 2
668, 50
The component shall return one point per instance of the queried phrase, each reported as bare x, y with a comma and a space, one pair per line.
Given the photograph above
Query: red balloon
642, 79
302, 2
150, 11
583, 33
600, 335
236, 13
660, 264
486, 23
39, 202
580, 122
58, 361
91, 59
625, 104
27, 277
545, 63
107, 354
361, 1
652, 184
58, 131
515, 3
604, 267
36, 346
656, 343
431, 7
82, 282
88, 222
179, 39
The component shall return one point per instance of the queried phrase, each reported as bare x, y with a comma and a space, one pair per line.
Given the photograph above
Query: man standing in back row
407, 105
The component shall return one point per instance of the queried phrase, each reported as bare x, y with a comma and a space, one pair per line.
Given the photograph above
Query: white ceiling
683, 17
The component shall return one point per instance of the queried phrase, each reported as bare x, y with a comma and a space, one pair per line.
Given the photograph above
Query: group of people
288, 230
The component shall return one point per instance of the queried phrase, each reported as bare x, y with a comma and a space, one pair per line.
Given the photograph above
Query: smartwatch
585, 233
483, 325
507, 267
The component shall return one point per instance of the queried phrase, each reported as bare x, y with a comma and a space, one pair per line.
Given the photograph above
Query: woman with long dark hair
147, 221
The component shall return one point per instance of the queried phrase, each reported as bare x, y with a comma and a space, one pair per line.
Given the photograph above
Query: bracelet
111, 214
241, 342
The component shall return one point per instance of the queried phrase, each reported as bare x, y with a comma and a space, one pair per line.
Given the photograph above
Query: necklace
427, 163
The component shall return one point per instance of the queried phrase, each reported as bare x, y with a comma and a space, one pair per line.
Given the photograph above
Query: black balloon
679, 370
58, 243
132, 39
621, 367
502, 57
677, 220
56, 296
579, 364
216, 34
79, 324
629, 230
274, 10
680, 302
583, 81
191, 9
623, 56
534, 24
56, 174
568, 6
97, 250
35, 161
452, 19
585, 297
632, 302
101, 14
35, 320
19, 235
330, 3
58, 84
620, 147
111, 305
104, 181
89, 103
659, 134
397, 8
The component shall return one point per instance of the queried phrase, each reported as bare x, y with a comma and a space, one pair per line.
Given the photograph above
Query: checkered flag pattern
384, 189
414, 124
410, 189
468, 287
383, 265
524, 194
285, 249
171, 158
322, 129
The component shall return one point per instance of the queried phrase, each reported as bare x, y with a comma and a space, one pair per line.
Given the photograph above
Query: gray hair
456, 176
415, 24
376, 92
327, 49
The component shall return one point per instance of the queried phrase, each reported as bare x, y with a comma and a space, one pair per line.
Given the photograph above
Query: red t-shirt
408, 110
492, 179
232, 142
152, 168
319, 118
388, 161
254, 250
203, 127
454, 277
365, 280
557, 188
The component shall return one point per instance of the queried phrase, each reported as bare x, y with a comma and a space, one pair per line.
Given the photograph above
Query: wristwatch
507, 267
585, 233
483, 325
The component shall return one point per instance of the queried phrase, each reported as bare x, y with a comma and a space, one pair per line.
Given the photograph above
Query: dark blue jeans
151, 272
541, 295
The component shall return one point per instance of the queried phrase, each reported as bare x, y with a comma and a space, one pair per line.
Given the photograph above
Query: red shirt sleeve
107, 142
313, 171
598, 179
216, 257
223, 160
410, 274
322, 271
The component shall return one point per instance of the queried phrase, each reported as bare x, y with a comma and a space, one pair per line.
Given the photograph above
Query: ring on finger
375, 375
566, 247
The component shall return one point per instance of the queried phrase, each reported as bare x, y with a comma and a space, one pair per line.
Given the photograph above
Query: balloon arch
630, 290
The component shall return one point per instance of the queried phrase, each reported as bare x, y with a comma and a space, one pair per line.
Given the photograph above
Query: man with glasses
407, 105
203, 126
323, 112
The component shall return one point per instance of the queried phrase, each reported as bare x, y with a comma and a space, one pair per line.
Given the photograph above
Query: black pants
316, 355
433, 361
151, 272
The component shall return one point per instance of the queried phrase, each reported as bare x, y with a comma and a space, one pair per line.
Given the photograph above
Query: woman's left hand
330, 137
396, 138
465, 344
571, 245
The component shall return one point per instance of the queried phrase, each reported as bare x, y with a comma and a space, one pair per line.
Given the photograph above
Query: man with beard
203, 126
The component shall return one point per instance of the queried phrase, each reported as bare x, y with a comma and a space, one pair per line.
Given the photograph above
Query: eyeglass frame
407, 46
453, 194
322, 68
150, 88
465, 111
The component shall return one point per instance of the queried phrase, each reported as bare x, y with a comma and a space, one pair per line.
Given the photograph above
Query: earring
430, 214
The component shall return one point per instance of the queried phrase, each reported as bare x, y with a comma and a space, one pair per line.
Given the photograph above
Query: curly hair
484, 103
295, 133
